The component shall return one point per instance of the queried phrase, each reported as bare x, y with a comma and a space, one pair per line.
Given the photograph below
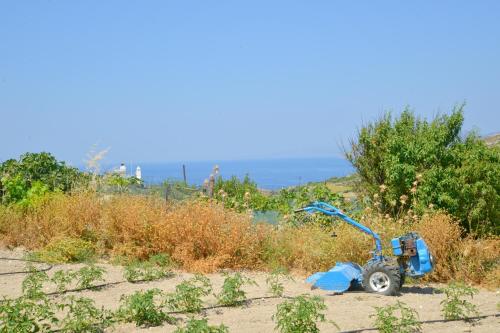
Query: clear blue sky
204, 80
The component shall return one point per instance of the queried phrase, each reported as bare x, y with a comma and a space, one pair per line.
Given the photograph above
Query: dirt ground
350, 310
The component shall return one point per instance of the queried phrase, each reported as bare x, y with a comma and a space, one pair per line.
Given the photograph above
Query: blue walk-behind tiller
381, 274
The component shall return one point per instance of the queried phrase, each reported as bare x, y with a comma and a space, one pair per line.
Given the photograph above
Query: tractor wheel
382, 278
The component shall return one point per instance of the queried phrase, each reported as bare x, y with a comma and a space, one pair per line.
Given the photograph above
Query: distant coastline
271, 174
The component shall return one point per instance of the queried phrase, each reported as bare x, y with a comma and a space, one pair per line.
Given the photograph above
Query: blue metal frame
330, 210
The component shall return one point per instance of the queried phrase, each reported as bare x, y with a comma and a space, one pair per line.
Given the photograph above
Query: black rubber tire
391, 271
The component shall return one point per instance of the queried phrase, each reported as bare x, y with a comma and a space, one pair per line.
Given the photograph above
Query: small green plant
231, 293
67, 250
86, 276
143, 308
187, 295
157, 267
32, 284
25, 315
201, 326
300, 314
62, 279
455, 306
387, 321
275, 282
83, 316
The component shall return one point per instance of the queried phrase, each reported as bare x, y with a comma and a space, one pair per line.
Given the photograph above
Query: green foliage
62, 279
387, 320
25, 315
88, 275
38, 172
409, 163
300, 314
67, 250
144, 308
455, 306
83, 316
120, 182
240, 195
188, 294
157, 267
32, 284
231, 293
274, 281
201, 326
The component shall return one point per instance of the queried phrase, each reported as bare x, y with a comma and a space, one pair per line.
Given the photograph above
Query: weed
454, 306
300, 314
187, 295
62, 279
25, 315
143, 308
274, 281
387, 321
84, 317
67, 250
86, 276
154, 269
201, 326
231, 293
32, 284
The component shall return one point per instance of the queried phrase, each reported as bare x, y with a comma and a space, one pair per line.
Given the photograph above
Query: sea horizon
270, 173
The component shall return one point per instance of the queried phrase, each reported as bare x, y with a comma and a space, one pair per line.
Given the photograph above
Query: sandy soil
350, 310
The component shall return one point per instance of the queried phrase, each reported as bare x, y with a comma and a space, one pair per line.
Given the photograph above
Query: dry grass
205, 237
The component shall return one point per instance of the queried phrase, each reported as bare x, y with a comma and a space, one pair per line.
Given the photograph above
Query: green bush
25, 315
88, 275
83, 316
157, 267
188, 294
144, 308
300, 314
32, 284
67, 250
201, 326
388, 321
455, 306
409, 163
231, 293
274, 281
38, 172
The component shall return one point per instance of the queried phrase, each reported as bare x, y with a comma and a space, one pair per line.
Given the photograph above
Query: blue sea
272, 174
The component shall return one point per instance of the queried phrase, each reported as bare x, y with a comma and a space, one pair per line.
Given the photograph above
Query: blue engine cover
419, 264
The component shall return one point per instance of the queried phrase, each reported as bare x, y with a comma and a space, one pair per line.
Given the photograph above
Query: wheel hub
379, 281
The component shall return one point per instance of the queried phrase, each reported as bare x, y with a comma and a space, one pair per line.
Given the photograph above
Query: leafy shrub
274, 281
231, 293
66, 250
144, 308
410, 163
387, 320
62, 279
455, 306
83, 317
188, 294
25, 315
32, 285
157, 267
87, 275
36, 170
201, 326
300, 314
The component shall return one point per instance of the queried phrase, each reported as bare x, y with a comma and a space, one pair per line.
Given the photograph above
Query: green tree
411, 163
40, 171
